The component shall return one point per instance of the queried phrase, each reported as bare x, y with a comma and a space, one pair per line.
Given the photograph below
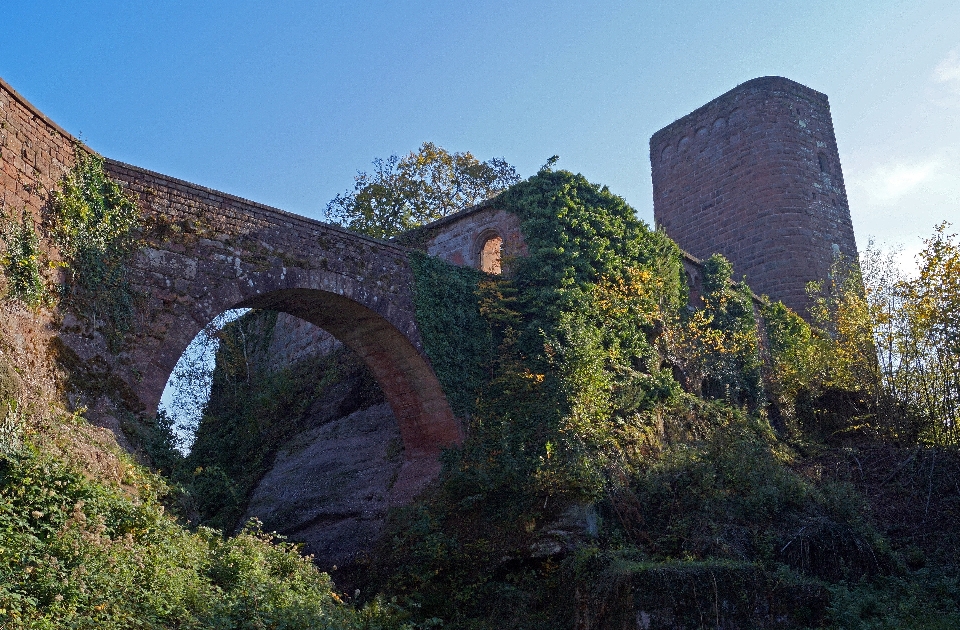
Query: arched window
490, 253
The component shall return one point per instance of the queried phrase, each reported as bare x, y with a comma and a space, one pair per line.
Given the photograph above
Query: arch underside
426, 422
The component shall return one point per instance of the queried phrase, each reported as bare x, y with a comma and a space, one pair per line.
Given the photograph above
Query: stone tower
755, 175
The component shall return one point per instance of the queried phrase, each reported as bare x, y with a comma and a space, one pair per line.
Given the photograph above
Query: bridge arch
208, 252
407, 381
411, 388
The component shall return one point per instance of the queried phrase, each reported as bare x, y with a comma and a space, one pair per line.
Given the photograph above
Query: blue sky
283, 102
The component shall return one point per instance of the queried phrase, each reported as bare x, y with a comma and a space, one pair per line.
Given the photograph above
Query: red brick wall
34, 153
755, 175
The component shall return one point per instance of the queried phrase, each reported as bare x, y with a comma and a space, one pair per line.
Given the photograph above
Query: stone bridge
755, 174
209, 252
206, 252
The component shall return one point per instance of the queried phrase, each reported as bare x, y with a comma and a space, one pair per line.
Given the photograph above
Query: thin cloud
947, 71
888, 183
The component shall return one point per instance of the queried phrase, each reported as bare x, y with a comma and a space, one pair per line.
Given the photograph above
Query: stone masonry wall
458, 238
755, 175
205, 252
208, 251
34, 155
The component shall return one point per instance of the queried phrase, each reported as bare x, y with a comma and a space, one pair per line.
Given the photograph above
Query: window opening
490, 255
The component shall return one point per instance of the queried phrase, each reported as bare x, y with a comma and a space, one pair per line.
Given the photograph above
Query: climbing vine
578, 367
455, 335
23, 261
579, 402
717, 348
557, 361
95, 226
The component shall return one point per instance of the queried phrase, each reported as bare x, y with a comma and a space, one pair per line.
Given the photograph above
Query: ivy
733, 369
578, 365
455, 336
577, 404
22, 261
95, 226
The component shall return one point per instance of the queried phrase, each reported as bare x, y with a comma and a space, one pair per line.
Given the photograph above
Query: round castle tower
755, 175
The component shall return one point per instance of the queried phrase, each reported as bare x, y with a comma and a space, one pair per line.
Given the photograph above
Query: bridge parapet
205, 252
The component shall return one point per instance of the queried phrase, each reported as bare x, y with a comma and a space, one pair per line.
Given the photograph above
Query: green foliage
700, 594
918, 336
733, 495
843, 319
716, 348
404, 193
568, 390
22, 261
162, 444
251, 411
95, 225
926, 599
879, 356
577, 363
579, 234
77, 553
792, 352
457, 339
580, 405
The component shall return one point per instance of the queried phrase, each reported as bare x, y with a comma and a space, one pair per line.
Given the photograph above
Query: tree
928, 374
423, 186
883, 339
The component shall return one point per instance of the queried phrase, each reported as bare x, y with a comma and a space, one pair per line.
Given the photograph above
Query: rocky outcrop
329, 483
293, 340
329, 486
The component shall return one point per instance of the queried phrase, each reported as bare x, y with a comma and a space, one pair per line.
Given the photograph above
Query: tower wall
755, 175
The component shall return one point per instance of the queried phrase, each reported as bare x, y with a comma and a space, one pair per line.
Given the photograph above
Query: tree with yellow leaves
891, 342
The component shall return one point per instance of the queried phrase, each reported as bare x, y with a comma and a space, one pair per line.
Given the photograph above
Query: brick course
205, 252
755, 175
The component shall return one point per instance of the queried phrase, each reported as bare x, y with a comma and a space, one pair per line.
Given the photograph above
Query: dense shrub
77, 553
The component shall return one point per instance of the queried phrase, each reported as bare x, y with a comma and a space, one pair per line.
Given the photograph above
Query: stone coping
769, 84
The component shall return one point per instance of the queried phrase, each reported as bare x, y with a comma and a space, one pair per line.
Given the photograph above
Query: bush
733, 495
96, 227
77, 553
22, 261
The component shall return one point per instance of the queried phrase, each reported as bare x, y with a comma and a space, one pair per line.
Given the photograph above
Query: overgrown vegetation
882, 355
455, 333
23, 260
622, 442
629, 460
80, 553
95, 227
716, 350
581, 414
